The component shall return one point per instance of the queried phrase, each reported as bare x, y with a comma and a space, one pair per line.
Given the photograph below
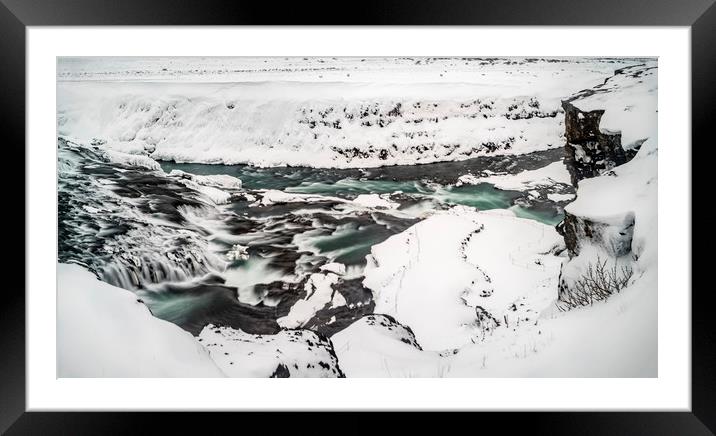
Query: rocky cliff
614, 194
590, 152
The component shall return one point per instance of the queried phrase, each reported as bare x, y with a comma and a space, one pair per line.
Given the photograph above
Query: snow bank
132, 160
289, 353
334, 267
380, 202
629, 100
104, 331
306, 124
558, 198
209, 186
273, 196
442, 275
216, 180
549, 175
616, 338
378, 346
621, 212
375, 201
513, 71
614, 217
319, 293
414, 113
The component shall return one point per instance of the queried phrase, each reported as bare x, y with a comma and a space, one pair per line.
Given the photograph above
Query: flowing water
147, 232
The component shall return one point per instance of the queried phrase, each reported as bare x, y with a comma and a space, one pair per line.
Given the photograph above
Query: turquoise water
350, 244
265, 178
175, 306
285, 238
548, 217
354, 187
352, 182
482, 196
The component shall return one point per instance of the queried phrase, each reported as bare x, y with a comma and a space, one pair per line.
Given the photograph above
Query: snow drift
362, 114
457, 275
104, 331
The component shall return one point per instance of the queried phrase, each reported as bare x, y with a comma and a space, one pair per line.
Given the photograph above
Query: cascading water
159, 233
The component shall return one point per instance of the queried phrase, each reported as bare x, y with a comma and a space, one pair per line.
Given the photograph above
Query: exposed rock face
589, 151
599, 232
614, 237
592, 244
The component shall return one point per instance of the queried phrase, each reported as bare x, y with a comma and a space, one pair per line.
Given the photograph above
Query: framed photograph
462, 206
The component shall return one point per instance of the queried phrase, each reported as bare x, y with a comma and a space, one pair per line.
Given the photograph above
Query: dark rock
281, 372
589, 151
615, 237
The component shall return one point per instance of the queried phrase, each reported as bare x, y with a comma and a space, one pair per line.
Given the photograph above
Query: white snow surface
560, 197
375, 201
548, 175
629, 190
274, 196
616, 338
514, 71
334, 267
103, 331
214, 187
432, 276
215, 180
630, 103
361, 202
319, 293
240, 354
132, 160
330, 112
216, 195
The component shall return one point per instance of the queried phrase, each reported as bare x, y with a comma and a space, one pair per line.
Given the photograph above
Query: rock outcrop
589, 151
614, 236
599, 231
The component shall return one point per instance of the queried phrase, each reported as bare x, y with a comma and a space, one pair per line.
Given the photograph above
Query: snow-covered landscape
357, 217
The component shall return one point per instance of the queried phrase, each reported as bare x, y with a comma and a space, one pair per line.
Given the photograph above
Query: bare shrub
597, 283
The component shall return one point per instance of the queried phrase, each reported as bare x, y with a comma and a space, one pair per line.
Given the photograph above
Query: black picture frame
16, 15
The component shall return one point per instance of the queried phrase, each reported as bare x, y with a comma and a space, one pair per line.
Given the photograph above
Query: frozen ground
334, 69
